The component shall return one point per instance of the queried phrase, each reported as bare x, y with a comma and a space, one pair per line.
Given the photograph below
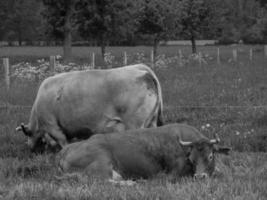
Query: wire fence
175, 113
7, 106
152, 60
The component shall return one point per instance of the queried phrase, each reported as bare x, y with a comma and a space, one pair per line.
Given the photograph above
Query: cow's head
201, 154
37, 142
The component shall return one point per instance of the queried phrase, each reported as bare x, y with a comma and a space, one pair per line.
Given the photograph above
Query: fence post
250, 54
235, 55
52, 63
7, 72
93, 60
218, 56
152, 59
180, 57
125, 58
265, 50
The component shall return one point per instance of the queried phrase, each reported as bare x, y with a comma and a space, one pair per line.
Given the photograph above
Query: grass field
229, 99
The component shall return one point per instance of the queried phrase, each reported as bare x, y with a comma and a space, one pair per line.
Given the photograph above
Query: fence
199, 57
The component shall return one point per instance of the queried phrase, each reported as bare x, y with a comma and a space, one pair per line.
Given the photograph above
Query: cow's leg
150, 107
143, 115
49, 140
100, 168
117, 179
57, 134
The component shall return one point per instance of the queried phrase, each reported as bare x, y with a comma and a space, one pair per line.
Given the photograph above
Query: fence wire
167, 111
168, 108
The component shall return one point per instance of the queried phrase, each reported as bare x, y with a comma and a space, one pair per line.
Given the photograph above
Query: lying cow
176, 149
79, 104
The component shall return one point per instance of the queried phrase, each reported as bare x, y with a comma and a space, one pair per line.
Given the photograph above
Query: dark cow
79, 104
176, 149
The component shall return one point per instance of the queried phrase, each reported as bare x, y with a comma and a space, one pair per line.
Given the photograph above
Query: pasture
228, 98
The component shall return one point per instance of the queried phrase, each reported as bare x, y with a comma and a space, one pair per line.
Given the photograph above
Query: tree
197, 17
105, 20
262, 2
20, 20
60, 22
242, 20
157, 20
3, 17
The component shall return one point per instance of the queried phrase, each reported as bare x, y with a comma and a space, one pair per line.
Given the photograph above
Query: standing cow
79, 104
176, 149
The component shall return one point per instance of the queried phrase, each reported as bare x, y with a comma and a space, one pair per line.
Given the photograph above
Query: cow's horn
183, 143
19, 128
25, 129
213, 141
216, 140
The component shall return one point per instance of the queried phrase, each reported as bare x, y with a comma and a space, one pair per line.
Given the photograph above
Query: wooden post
152, 59
235, 55
180, 57
250, 54
93, 60
218, 56
265, 50
7, 72
125, 58
52, 63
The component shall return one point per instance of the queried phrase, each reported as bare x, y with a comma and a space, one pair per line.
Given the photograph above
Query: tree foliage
197, 18
105, 20
243, 20
157, 20
60, 22
19, 20
133, 21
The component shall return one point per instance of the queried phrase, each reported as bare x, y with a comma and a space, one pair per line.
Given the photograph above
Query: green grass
230, 97
24, 175
27, 176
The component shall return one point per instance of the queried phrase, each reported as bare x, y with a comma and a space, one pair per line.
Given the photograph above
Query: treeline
132, 22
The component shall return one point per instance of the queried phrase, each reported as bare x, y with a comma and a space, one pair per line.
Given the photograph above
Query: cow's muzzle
201, 176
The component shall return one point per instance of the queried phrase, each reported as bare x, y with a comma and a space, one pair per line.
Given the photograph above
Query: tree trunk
240, 8
103, 49
19, 34
67, 46
193, 41
20, 41
155, 47
67, 33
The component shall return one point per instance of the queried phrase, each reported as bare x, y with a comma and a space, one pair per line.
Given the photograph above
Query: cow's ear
222, 150
25, 129
186, 146
188, 150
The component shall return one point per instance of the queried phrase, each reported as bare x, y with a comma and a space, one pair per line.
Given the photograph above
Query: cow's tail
159, 104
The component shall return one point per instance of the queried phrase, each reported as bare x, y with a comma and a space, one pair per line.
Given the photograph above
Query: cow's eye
210, 157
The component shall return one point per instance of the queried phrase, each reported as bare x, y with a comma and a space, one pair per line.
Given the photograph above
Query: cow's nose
201, 176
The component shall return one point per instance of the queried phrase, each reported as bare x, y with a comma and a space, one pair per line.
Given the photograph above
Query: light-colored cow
82, 103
